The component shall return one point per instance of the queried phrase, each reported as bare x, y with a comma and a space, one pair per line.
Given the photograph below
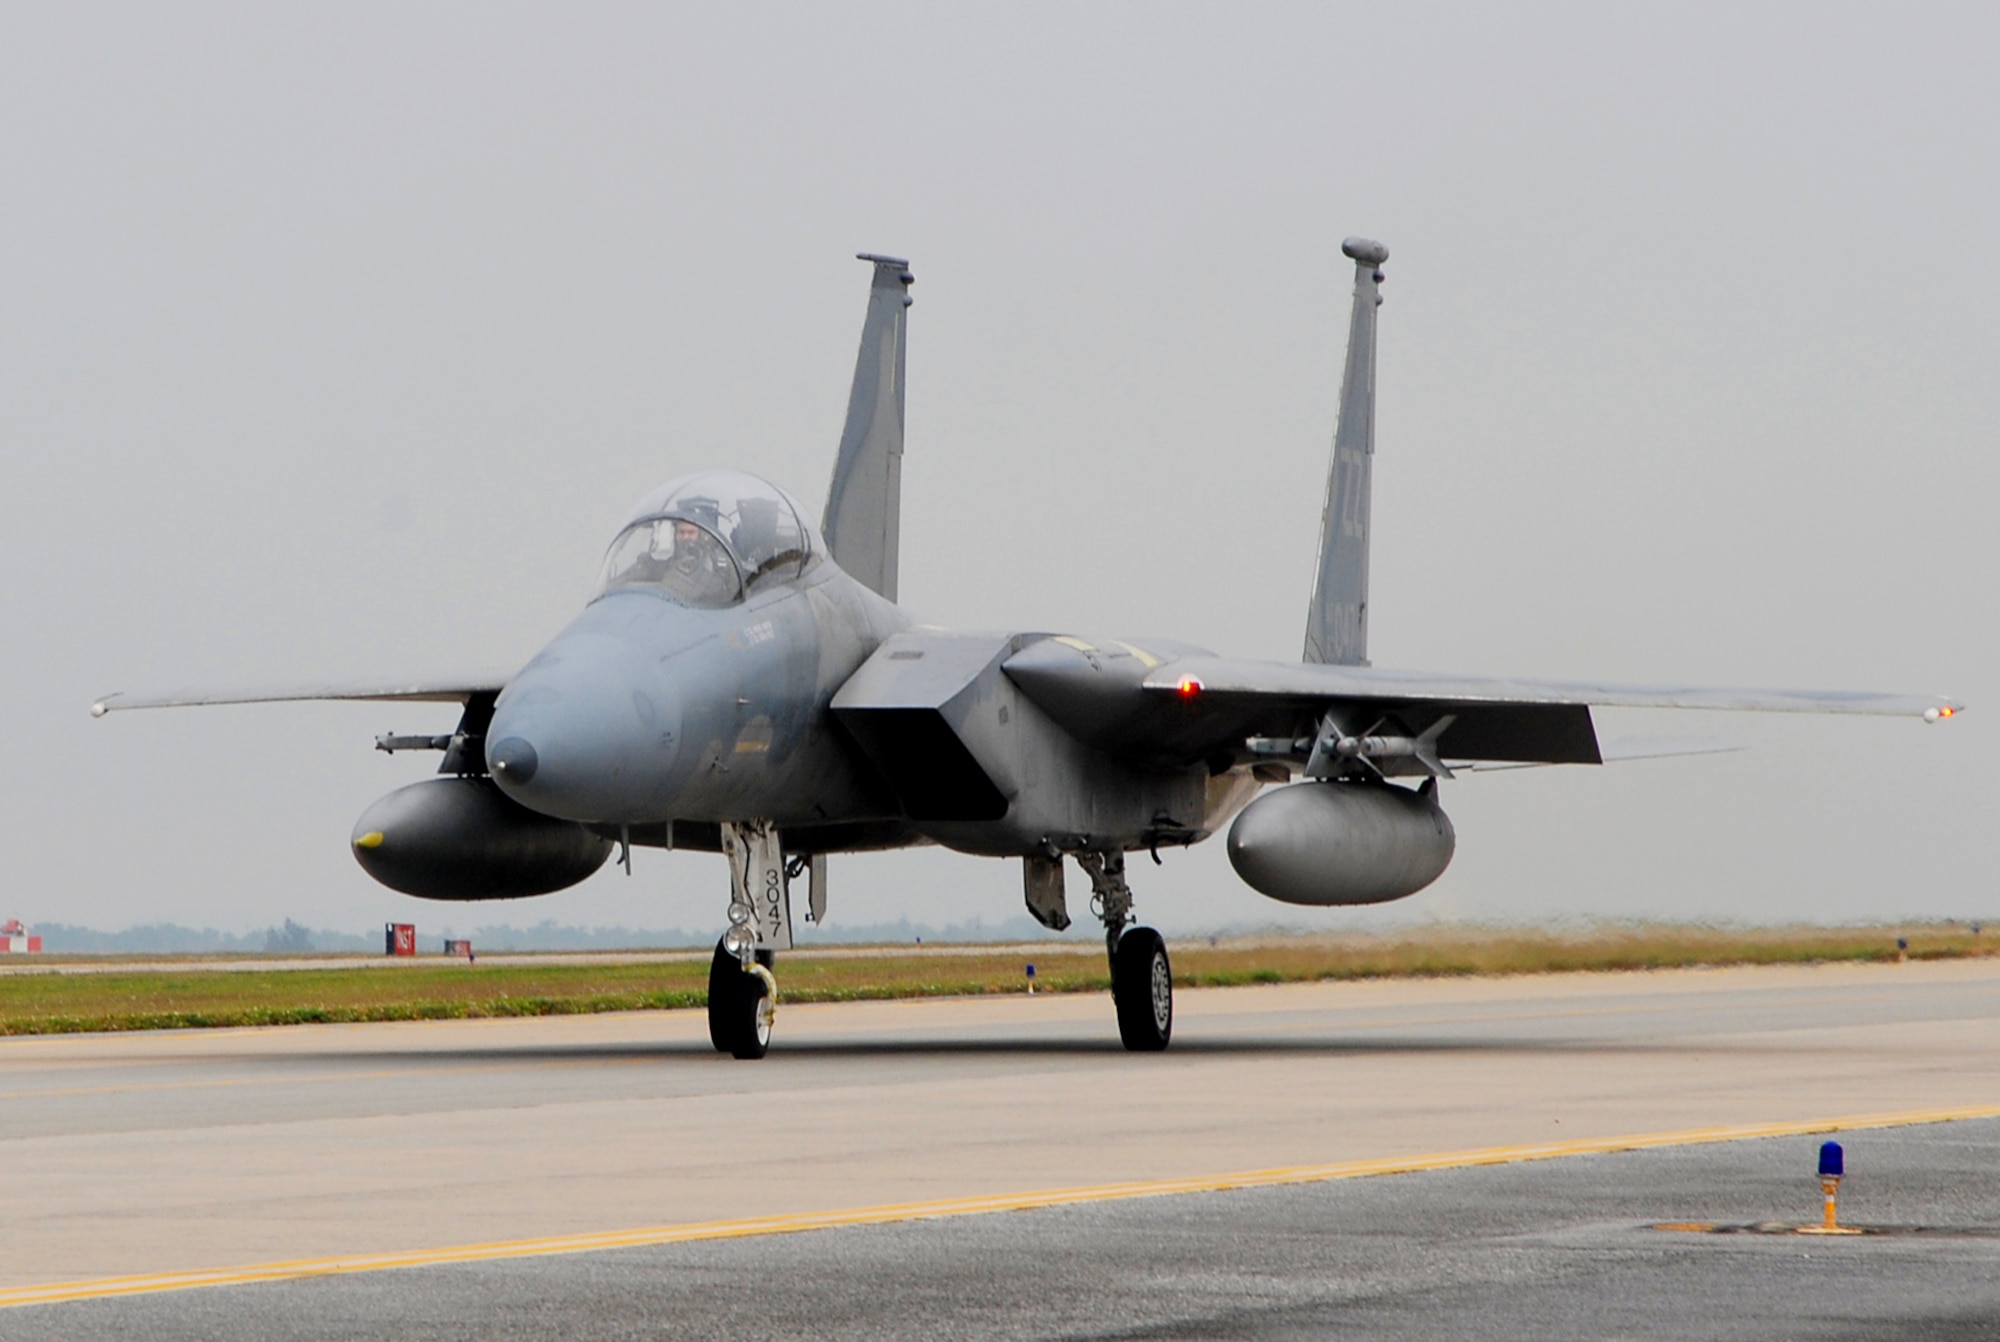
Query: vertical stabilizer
1337, 623
864, 504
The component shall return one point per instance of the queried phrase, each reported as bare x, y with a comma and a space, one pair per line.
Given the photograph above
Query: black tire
723, 971
1142, 986
738, 1023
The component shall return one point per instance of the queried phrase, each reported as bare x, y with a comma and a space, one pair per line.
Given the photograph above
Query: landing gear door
1047, 900
816, 889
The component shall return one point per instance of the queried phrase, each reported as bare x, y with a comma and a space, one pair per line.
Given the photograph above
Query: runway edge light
1832, 1167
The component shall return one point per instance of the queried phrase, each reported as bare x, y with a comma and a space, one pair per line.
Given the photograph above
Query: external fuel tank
463, 838
1341, 843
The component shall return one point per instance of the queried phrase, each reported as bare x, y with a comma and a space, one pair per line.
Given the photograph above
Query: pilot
700, 571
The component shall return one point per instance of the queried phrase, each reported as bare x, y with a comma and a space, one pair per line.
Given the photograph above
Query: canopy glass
707, 540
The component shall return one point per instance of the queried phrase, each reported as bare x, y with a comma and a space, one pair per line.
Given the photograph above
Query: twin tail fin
864, 503
1337, 621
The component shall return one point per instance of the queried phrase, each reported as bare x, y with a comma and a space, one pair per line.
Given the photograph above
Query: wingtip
102, 706
1939, 712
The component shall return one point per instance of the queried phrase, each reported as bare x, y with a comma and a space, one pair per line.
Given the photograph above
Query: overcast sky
336, 339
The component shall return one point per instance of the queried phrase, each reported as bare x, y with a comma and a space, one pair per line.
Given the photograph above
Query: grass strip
448, 990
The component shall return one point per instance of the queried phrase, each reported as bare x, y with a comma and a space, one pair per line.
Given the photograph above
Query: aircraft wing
1132, 702
444, 689
1227, 676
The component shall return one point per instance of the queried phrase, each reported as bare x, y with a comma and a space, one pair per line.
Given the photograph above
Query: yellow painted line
793, 1223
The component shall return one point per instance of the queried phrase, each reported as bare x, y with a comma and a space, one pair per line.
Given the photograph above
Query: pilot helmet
706, 513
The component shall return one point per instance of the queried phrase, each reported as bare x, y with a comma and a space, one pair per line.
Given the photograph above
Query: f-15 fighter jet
745, 684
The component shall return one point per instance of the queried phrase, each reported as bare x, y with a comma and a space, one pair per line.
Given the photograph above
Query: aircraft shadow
1246, 1046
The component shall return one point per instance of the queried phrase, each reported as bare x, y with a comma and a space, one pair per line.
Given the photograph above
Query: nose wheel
741, 1003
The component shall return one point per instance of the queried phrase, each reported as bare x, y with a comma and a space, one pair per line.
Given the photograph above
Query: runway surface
1561, 1249
198, 1152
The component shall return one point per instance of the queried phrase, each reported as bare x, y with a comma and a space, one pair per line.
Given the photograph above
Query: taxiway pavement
1556, 1250
197, 1151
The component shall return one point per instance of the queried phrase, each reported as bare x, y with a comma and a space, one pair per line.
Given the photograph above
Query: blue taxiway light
1830, 1161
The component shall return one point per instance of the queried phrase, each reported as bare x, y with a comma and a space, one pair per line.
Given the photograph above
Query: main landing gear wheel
1142, 985
739, 1006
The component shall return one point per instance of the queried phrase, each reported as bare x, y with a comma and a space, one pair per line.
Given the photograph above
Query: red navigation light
1189, 687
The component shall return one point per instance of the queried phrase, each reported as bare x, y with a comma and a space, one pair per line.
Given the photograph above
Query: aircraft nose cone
513, 760
591, 729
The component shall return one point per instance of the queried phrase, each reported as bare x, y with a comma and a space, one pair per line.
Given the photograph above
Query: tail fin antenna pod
864, 503
1337, 623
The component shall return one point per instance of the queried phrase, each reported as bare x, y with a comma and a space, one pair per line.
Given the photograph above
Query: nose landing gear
1142, 977
742, 991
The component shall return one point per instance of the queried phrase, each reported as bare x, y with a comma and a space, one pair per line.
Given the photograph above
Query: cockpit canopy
708, 540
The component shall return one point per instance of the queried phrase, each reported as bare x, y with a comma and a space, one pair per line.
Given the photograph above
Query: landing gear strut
742, 992
1142, 977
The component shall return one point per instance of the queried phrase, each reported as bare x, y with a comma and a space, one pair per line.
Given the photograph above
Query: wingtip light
1189, 687
99, 709
1940, 713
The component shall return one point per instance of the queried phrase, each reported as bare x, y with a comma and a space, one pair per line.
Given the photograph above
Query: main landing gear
1142, 977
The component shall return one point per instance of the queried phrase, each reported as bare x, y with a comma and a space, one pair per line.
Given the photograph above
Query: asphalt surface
1556, 1249
218, 1151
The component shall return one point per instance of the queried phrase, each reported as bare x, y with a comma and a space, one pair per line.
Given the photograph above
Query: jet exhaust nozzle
463, 838
1328, 843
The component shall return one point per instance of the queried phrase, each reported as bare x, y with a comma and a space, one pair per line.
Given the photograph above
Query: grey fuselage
645, 712
821, 707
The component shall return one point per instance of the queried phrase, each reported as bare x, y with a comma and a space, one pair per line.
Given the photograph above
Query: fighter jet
744, 683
